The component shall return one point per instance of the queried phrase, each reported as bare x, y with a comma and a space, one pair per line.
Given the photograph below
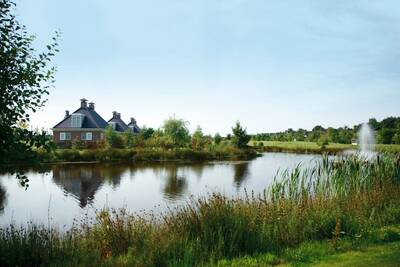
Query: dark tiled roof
92, 119
120, 124
136, 128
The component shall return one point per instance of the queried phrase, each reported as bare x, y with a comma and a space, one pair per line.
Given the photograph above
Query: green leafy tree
385, 136
373, 123
146, 133
240, 136
25, 78
197, 140
113, 139
128, 138
217, 138
176, 130
396, 138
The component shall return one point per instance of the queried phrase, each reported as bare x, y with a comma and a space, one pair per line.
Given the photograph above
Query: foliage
385, 136
112, 154
387, 132
128, 139
25, 78
176, 131
146, 132
217, 138
240, 136
199, 141
113, 139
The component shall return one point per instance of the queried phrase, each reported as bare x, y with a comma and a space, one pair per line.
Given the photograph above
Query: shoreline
93, 156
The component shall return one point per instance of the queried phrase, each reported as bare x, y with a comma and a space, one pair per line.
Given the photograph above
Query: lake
59, 193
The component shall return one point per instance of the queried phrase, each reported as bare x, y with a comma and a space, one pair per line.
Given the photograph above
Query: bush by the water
346, 198
114, 154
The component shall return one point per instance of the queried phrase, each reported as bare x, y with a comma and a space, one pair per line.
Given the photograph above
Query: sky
272, 65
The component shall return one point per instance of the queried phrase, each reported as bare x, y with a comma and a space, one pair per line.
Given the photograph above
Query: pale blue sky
270, 64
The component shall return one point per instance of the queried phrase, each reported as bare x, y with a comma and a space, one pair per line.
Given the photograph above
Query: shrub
240, 137
217, 138
176, 131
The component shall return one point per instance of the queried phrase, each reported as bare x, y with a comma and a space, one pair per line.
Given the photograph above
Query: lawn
376, 251
311, 147
379, 255
387, 255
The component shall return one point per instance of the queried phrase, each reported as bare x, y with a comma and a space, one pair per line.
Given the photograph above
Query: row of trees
387, 132
174, 133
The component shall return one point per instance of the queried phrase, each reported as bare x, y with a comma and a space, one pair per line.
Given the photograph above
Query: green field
311, 147
320, 255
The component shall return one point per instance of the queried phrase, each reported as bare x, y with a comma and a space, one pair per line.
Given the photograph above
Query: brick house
133, 126
86, 125
117, 123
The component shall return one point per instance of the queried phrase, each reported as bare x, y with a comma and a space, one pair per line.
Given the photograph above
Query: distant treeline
387, 132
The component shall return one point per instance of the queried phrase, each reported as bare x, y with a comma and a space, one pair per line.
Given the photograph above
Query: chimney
66, 114
115, 115
91, 105
119, 115
133, 121
83, 103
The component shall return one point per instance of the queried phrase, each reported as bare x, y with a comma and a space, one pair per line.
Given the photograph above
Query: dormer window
77, 120
113, 125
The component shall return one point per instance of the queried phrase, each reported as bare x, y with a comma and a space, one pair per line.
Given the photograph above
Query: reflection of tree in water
113, 173
241, 172
175, 185
3, 198
198, 169
83, 180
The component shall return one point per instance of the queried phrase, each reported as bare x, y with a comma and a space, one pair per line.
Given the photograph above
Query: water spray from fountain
366, 141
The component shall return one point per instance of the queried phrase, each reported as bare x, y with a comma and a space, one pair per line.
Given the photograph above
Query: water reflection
176, 184
241, 173
3, 198
80, 181
68, 191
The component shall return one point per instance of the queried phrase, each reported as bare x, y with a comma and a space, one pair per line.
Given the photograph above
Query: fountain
366, 141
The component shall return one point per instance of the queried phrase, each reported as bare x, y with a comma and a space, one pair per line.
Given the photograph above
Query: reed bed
347, 197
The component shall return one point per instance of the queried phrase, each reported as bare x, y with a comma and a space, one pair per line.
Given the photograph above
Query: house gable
91, 119
118, 124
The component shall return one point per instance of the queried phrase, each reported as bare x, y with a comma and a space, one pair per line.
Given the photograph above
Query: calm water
60, 193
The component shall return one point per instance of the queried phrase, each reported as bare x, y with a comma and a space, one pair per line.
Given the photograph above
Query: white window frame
62, 136
113, 125
85, 136
89, 136
77, 120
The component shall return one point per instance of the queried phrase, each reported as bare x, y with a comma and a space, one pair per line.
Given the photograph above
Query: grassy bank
313, 148
378, 250
114, 154
347, 199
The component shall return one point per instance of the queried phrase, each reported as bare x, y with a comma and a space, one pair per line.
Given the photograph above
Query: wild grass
114, 154
343, 199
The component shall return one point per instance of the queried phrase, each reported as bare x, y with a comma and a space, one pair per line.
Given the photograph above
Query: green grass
311, 147
371, 253
387, 255
304, 216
